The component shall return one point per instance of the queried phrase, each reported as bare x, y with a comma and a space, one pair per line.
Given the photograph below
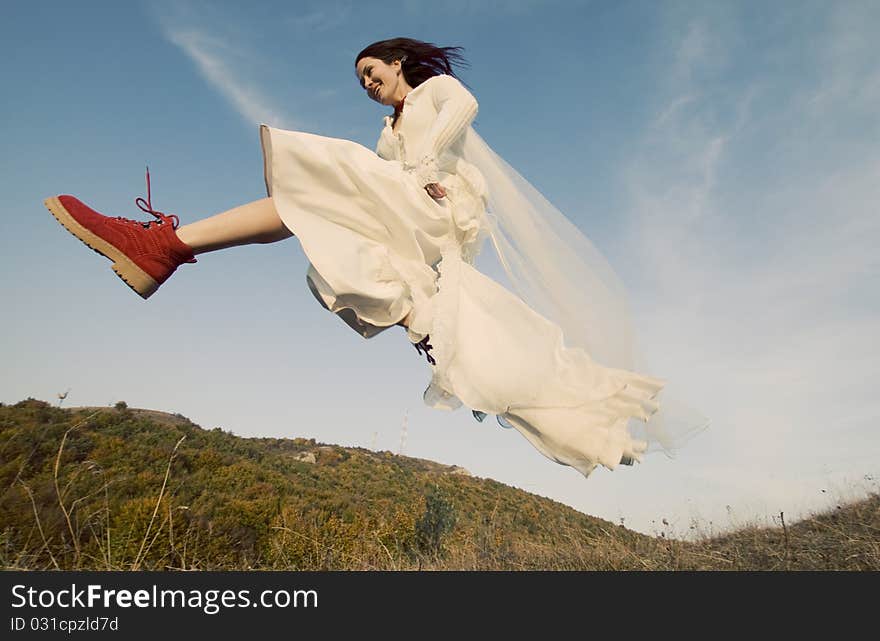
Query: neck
403, 88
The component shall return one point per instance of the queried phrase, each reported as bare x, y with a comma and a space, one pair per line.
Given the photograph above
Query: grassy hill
119, 488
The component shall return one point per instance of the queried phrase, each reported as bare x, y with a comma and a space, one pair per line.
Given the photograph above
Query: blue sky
724, 156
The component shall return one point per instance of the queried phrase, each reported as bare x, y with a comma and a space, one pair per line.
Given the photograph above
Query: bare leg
255, 222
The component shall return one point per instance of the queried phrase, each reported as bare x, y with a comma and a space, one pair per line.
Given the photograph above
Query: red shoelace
146, 206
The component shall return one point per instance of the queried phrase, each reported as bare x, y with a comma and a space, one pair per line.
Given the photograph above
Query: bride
392, 236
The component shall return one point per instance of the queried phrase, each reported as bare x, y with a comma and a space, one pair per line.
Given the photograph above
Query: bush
439, 518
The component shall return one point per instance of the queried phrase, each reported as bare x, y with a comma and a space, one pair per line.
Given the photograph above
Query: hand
435, 190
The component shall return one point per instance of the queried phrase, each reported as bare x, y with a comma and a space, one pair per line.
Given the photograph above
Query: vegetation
120, 488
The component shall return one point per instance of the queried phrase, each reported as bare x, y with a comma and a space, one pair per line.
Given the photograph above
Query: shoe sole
132, 275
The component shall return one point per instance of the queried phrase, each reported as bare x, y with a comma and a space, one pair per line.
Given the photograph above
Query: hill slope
116, 488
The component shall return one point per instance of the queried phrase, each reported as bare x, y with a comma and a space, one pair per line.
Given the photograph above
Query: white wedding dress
381, 248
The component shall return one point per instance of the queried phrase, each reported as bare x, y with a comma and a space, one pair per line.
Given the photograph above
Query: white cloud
847, 60
212, 57
768, 314
327, 17
488, 8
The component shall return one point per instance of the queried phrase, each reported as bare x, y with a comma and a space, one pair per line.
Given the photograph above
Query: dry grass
76, 522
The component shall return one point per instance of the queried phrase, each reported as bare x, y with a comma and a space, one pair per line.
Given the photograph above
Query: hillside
118, 488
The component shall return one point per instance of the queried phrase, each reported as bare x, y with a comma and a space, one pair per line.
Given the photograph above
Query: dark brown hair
419, 60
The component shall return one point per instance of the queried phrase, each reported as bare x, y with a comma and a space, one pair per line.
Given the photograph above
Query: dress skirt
381, 249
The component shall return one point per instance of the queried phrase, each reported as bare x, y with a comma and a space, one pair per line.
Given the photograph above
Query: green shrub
438, 519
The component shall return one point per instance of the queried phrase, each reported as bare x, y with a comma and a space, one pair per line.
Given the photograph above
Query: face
383, 83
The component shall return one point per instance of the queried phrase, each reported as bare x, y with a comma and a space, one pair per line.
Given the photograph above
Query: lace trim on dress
427, 171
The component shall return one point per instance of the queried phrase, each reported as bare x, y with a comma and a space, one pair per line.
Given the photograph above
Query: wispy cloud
759, 282
326, 17
220, 59
847, 60
487, 8
211, 57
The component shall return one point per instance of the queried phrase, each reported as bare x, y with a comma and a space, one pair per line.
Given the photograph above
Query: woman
391, 237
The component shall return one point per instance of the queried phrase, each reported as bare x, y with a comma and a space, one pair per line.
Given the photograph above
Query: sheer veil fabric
555, 269
552, 356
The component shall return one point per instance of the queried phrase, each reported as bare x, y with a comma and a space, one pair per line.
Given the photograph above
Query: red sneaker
144, 255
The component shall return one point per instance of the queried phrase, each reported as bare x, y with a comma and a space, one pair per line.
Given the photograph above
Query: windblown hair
419, 60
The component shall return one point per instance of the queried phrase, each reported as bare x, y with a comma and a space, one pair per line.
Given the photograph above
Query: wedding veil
558, 272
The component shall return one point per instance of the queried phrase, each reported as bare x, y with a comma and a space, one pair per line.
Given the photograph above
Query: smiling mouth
376, 92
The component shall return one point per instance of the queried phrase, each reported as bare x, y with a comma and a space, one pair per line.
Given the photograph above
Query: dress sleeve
456, 109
